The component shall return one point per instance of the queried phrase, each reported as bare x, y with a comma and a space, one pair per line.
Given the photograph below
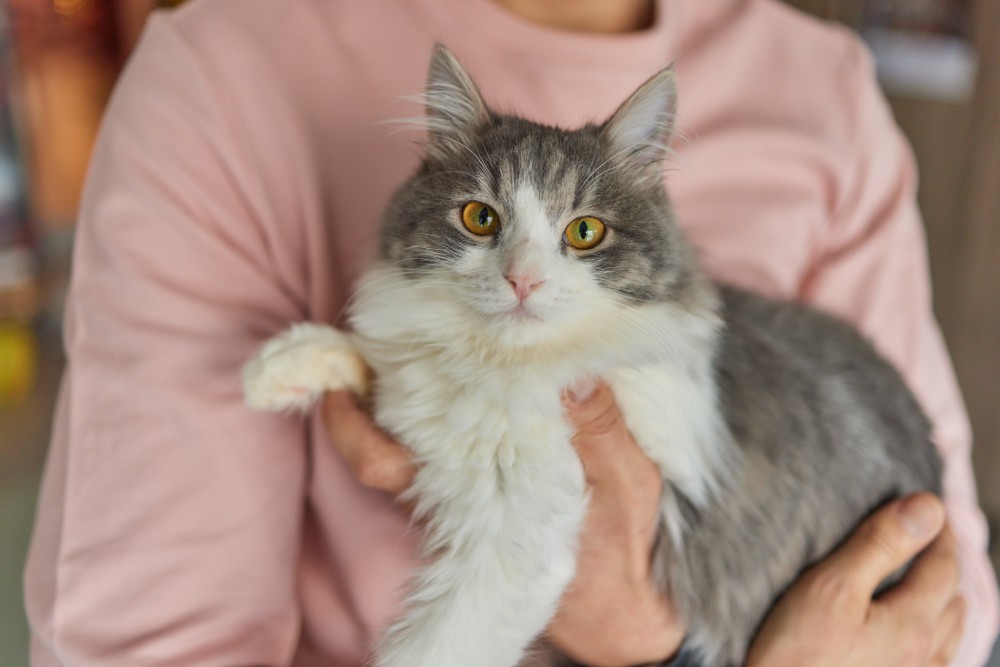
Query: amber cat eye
480, 219
584, 233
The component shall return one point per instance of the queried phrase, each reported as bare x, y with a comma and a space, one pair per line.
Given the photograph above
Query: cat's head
535, 230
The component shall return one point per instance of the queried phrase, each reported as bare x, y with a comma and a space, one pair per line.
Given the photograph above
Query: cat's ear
639, 131
454, 106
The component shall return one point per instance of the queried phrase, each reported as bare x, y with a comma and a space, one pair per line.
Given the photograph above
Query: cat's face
534, 229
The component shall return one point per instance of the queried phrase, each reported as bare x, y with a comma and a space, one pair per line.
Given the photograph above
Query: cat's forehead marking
532, 219
522, 153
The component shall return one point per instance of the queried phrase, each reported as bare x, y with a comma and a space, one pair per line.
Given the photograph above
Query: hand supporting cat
613, 613
829, 618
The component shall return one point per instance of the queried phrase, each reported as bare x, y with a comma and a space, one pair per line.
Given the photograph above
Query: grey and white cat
520, 259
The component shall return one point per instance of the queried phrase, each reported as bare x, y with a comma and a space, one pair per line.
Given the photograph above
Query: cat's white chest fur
504, 497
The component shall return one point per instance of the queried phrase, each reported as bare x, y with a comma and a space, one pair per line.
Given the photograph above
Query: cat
520, 259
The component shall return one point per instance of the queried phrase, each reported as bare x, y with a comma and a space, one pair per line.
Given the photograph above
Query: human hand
612, 614
828, 618
377, 461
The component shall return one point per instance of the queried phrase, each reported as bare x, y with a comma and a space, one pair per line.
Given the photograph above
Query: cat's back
827, 431
811, 371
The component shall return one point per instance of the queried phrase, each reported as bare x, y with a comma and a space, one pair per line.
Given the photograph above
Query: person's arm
874, 273
169, 525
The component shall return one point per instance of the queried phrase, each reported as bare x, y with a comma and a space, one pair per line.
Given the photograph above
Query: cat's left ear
455, 108
639, 132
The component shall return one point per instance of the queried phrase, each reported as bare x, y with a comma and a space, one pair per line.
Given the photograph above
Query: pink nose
523, 285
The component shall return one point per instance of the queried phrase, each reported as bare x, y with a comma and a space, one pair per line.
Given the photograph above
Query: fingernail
582, 390
920, 515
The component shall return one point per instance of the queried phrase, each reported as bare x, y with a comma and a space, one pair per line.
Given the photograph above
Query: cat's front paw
292, 370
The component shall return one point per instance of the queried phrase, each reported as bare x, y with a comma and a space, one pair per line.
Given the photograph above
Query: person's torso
319, 88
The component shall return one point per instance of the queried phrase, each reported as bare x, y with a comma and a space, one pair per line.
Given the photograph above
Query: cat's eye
584, 233
480, 219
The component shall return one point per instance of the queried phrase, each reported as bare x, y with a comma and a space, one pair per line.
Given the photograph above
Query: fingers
377, 460
612, 613
885, 542
610, 455
948, 632
592, 410
932, 581
926, 602
599, 428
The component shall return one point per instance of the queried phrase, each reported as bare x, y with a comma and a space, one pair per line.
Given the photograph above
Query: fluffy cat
520, 259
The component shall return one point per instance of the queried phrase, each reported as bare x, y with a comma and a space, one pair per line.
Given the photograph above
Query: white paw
292, 370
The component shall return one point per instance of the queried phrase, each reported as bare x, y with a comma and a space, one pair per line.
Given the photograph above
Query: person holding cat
236, 188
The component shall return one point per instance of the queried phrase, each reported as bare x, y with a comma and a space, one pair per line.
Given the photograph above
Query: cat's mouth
520, 313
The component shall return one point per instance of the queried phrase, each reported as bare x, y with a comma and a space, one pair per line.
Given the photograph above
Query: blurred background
938, 60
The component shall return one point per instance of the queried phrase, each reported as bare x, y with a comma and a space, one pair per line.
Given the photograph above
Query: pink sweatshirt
237, 187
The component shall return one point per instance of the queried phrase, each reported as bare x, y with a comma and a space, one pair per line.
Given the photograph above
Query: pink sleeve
876, 275
169, 524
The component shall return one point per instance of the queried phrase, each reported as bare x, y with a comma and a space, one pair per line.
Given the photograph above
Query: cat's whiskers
402, 274
661, 149
474, 154
593, 171
643, 327
646, 330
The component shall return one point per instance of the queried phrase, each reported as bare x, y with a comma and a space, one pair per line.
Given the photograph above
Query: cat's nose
523, 285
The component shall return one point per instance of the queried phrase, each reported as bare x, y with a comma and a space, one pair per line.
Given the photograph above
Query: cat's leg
485, 597
471, 609
293, 369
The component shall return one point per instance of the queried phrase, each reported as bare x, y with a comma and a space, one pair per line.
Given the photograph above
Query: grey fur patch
829, 432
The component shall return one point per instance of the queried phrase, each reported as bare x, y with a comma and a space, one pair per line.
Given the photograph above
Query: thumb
592, 410
887, 540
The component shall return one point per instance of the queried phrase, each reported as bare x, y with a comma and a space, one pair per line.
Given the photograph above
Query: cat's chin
523, 328
520, 313
520, 331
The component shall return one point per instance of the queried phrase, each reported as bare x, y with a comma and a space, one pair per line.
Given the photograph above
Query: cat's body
775, 428
787, 376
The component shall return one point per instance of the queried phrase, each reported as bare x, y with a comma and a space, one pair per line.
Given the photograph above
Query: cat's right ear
455, 109
639, 132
